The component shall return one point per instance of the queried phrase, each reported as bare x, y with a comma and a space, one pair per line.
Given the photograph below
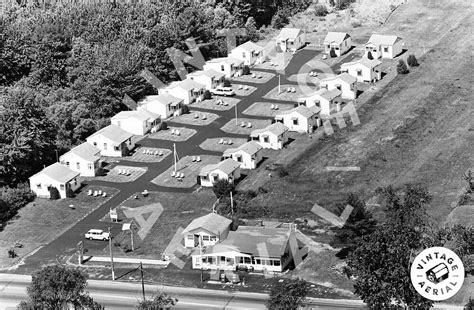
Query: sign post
80, 252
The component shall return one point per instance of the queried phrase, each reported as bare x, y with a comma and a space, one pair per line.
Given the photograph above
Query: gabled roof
187, 84
250, 148
337, 37
249, 46
142, 115
324, 93
58, 172
289, 33
164, 99
369, 63
302, 110
381, 39
227, 166
211, 73
250, 240
212, 222
228, 60
275, 128
85, 151
345, 77
113, 133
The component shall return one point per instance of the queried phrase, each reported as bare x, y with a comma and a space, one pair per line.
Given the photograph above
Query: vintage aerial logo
437, 273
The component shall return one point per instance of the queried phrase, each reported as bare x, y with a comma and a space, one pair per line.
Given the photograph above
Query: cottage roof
228, 60
58, 172
227, 166
85, 151
345, 77
211, 73
302, 110
113, 133
187, 84
381, 39
275, 128
289, 33
212, 222
249, 46
163, 99
337, 37
369, 63
250, 148
250, 240
142, 115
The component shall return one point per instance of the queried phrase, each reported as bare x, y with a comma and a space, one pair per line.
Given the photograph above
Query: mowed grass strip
213, 144
265, 109
195, 118
236, 127
167, 134
212, 104
43, 220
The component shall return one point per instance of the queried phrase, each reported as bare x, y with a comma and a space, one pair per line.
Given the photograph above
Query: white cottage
274, 136
345, 82
256, 248
249, 52
209, 78
206, 230
290, 39
385, 46
248, 155
164, 105
187, 90
84, 159
112, 141
55, 175
227, 169
364, 70
327, 100
138, 122
300, 119
339, 42
229, 65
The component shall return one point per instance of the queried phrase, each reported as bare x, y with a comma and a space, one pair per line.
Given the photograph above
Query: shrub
402, 67
412, 61
69, 193
185, 109
262, 190
332, 53
369, 55
163, 126
282, 172
356, 23
206, 95
17, 197
227, 83
246, 70
222, 188
320, 10
12, 253
54, 193
126, 151
465, 197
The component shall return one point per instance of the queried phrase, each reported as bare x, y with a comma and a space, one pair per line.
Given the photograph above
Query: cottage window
240, 259
247, 260
205, 238
385, 49
213, 238
89, 166
243, 54
38, 186
222, 68
276, 263
95, 143
61, 187
359, 72
78, 165
338, 86
204, 177
295, 121
67, 163
116, 148
118, 123
266, 139
329, 46
239, 159
258, 261
105, 146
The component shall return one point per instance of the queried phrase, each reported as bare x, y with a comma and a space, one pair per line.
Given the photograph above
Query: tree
54, 193
245, 70
359, 224
159, 301
69, 192
402, 67
227, 83
412, 61
251, 27
469, 178
58, 287
279, 20
184, 109
207, 95
469, 305
320, 10
14, 198
381, 262
460, 240
222, 188
4, 212
332, 53
289, 294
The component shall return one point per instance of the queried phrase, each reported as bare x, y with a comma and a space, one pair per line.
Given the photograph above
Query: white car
223, 91
97, 234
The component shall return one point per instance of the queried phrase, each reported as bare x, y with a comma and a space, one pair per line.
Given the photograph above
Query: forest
64, 70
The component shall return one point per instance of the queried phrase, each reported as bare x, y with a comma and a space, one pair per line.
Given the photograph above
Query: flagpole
236, 120
279, 86
174, 155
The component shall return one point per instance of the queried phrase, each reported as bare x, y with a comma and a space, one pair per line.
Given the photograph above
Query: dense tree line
64, 70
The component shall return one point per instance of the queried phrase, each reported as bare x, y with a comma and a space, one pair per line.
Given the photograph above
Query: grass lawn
190, 170
212, 104
114, 174
232, 127
195, 118
243, 90
265, 109
260, 77
214, 145
185, 134
43, 220
139, 156
301, 91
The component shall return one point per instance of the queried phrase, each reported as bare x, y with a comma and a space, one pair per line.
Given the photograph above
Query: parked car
97, 234
223, 91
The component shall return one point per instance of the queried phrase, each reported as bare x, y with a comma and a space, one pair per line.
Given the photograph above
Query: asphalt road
66, 243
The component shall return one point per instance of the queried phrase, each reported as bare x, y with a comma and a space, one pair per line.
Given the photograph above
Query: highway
124, 295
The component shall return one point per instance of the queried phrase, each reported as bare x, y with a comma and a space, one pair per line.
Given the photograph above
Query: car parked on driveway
97, 234
223, 91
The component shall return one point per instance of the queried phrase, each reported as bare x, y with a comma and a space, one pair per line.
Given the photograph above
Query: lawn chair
204, 116
253, 75
260, 76
243, 124
104, 194
276, 107
95, 193
99, 192
147, 152
311, 73
229, 142
196, 115
182, 175
293, 90
172, 173
241, 86
272, 107
226, 103
177, 132
246, 87
129, 172
144, 151
221, 141
160, 153
249, 125
194, 159
198, 159
289, 89
89, 192
120, 171
156, 153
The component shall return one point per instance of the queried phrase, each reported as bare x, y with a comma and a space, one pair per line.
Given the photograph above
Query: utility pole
143, 284
231, 203
111, 256
279, 86
131, 235
200, 250
236, 120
